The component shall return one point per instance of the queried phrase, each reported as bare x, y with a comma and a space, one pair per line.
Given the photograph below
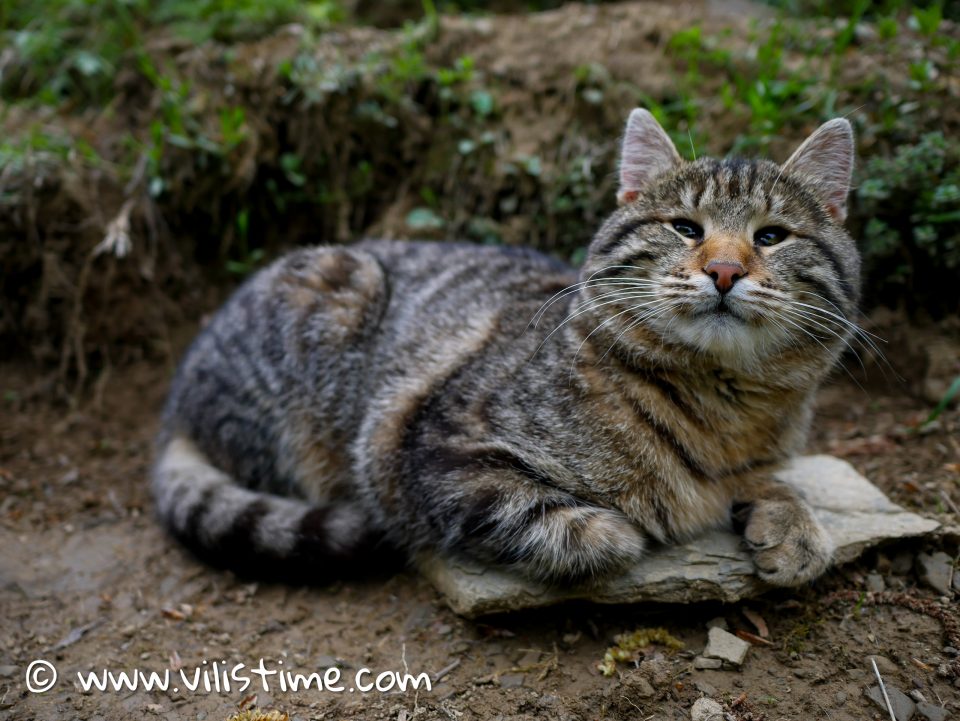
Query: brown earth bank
504, 127
89, 582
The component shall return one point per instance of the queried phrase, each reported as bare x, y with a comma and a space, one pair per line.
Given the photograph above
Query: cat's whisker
611, 318
843, 319
643, 317
862, 336
586, 283
614, 317
846, 342
856, 332
589, 306
837, 308
657, 305
818, 322
576, 287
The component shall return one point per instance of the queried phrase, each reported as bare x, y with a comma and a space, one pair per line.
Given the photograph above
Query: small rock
875, 583
7, 671
951, 651
932, 712
726, 647
901, 564
903, 706
326, 662
530, 658
511, 680
884, 665
840, 697
718, 622
707, 689
640, 686
657, 671
916, 695
706, 663
706, 709
935, 570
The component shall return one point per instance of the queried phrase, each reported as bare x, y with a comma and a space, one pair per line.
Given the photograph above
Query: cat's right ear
646, 153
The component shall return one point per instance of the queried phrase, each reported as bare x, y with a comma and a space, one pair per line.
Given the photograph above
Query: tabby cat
351, 402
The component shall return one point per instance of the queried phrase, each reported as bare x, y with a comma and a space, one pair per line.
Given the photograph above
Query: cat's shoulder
453, 251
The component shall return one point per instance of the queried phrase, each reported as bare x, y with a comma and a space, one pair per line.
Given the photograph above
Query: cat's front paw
789, 545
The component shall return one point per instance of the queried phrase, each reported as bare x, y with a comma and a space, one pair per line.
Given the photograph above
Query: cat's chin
727, 336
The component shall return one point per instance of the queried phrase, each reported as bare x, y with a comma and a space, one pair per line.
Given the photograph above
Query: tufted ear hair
825, 161
647, 152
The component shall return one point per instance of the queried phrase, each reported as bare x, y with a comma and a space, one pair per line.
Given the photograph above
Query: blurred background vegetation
154, 151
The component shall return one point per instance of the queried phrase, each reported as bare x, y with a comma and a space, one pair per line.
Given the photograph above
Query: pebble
840, 697
901, 564
875, 583
903, 706
702, 663
931, 712
641, 687
718, 622
707, 689
511, 680
706, 709
951, 651
935, 570
7, 671
657, 670
884, 664
726, 647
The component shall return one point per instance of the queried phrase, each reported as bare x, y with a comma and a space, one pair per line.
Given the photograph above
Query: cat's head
735, 259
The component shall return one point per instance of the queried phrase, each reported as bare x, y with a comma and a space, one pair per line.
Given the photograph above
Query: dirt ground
89, 582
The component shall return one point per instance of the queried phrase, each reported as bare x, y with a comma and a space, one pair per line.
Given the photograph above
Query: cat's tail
259, 534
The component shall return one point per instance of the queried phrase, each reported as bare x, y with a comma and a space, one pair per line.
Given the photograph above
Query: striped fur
488, 402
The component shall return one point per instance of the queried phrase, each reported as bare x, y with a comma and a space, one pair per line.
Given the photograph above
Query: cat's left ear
646, 153
825, 160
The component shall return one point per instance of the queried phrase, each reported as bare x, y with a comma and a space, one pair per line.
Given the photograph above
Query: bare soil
88, 581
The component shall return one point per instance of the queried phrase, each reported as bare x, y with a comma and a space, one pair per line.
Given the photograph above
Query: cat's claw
788, 544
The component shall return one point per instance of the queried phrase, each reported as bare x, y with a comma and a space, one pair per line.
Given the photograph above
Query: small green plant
912, 237
952, 392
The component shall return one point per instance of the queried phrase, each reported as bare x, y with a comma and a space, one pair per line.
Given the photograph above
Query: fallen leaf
753, 638
862, 446
757, 620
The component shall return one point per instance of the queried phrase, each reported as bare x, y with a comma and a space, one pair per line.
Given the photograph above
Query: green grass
71, 50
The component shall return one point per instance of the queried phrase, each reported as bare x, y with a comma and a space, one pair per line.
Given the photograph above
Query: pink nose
724, 274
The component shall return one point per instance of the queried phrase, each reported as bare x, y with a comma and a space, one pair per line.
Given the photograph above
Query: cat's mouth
722, 309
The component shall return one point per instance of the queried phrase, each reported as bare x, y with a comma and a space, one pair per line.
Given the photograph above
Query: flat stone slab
713, 567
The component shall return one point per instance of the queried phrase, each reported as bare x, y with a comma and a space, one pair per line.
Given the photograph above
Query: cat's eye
687, 228
771, 235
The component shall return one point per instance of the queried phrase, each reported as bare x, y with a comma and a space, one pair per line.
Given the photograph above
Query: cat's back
450, 299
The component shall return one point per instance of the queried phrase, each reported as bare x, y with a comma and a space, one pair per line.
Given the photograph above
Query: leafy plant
912, 237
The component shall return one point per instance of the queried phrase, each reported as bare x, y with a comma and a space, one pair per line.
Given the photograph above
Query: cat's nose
724, 274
